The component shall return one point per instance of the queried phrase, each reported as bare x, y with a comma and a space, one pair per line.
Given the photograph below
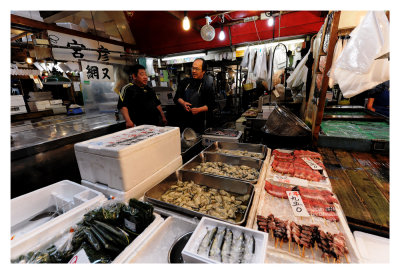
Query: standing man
195, 96
138, 103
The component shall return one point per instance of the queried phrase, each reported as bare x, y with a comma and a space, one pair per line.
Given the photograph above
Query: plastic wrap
336, 53
356, 69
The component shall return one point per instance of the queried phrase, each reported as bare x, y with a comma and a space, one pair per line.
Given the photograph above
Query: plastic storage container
157, 247
125, 159
373, 249
42, 209
190, 255
51, 234
224, 135
139, 190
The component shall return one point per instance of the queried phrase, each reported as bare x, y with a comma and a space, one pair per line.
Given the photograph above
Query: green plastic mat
346, 113
356, 129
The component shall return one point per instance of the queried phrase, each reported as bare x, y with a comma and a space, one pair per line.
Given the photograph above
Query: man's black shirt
141, 103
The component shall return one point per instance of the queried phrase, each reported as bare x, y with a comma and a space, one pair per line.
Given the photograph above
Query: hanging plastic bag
336, 53
356, 70
149, 67
245, 60
299, 75
252, 56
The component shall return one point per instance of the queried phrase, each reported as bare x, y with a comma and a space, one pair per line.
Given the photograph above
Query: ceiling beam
25, 33
24, 23
180, 15
59, 15
212, 14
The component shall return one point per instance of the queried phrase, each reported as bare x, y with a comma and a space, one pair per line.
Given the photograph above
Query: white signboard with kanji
97, 72
76, 49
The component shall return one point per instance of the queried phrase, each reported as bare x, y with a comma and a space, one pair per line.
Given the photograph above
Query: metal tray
231, 185
257, 148
204, 157
221, 132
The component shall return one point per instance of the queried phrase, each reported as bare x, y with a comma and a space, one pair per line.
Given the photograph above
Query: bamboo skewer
336, 225
280, 245
302, 255
276, 242
347, 261
289, 243
299, 248
327, 257
334, 260
312, 252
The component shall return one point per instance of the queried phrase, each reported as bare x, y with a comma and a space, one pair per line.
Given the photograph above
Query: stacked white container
127, 163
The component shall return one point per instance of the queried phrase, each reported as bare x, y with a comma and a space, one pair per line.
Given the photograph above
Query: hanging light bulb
186, 22
29, 60
271, 21
222, 34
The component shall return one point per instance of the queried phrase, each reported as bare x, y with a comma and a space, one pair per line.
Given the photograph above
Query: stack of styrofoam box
127, 163
17, 104
39, 101
57, 106
73, 198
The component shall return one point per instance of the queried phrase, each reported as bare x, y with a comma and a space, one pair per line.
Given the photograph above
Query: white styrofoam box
49, 235
138, 190
17, 100
208, 140
68, 197
58, 109
56, 102
126, 158
18, 109
189, 253
373, 249
32, 14
156, 248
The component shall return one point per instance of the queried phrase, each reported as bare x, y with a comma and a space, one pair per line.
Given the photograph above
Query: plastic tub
49, 206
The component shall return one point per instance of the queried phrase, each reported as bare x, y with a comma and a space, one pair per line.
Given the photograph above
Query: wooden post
325, 80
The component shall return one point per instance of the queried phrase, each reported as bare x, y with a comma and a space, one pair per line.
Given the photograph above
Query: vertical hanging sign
97, 72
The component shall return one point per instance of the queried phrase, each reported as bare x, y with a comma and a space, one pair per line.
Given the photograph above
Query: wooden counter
361, 182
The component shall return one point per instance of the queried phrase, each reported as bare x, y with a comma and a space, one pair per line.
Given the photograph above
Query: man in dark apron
195, 96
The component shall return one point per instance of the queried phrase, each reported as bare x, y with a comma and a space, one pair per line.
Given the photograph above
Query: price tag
80, 258
311, 163
297, 204
289, 180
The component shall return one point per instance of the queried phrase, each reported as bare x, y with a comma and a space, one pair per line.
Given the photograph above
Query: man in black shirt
195, 96
138, 103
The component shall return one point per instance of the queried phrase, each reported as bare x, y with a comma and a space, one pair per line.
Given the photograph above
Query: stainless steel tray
232, 185
203, 157
257, 148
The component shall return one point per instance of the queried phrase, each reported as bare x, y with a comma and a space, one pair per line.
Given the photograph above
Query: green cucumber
121, 236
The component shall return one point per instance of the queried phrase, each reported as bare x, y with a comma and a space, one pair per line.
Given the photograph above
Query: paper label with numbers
297, 204
80, 258
311, 163
279, 178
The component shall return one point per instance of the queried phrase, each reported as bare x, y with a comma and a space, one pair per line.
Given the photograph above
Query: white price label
289, 180
297, 204
311, 163
80, 258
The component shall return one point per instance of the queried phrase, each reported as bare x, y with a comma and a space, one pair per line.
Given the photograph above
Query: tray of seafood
199, 195
218, 242
319, 235
241, 168
257, 151
299, 167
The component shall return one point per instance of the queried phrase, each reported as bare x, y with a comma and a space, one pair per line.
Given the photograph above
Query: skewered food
227, 170
240, 153
305, 236
211, 201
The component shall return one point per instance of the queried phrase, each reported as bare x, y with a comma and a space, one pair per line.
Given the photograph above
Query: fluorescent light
186, 23
184, 56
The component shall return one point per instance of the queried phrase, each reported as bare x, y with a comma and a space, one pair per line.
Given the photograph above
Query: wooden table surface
361, 182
